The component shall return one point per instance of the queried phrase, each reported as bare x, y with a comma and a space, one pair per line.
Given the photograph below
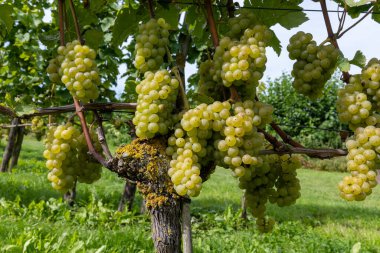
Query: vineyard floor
33, 217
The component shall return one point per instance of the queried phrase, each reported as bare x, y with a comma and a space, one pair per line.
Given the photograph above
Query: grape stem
61, 23
354, 24
90, 145
151, 9
331, 35
215, 39
101, 136
75, 19
230, 8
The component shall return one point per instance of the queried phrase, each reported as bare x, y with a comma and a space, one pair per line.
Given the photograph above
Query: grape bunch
151, 43
353, 105
314, 64
87, 169
287, 185
190, 145
60, 153
362, 162
371, 80
79, 72
54, 69
273, 179
239, 141
243, 19
157, 95
37, 124
242, 62
67, 158
206, 85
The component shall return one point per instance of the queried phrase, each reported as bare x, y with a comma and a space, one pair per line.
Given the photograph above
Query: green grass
34, 218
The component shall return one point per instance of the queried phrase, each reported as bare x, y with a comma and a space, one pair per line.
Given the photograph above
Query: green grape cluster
314, 64
354, 106
37, 124
190, 147
157, 95
79, 72
242, 62
371, 80
54, 69
151, 43
273, 179
60, 153
67, 158
243, 19
287, 185
240, 142
87, 169
207, 85
362, 162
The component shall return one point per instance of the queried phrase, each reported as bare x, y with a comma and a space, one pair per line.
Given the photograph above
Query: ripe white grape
78, 71
67, 158
314, 64
362, 163
151, 43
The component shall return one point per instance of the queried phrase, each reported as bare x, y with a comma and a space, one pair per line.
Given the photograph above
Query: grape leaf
94, 38
275, 44
359, 59
170, 13
375, 14
202, 98
6, 19
343, 63
270, 16
125, 24
353, 3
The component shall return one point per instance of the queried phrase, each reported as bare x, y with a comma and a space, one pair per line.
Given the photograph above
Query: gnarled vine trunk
17, 147
145, 162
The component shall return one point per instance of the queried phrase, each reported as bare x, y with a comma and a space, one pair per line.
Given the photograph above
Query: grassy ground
33, 218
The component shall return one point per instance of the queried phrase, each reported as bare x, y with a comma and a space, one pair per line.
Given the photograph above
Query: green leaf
94, 38
375, 15
125, 24
202, 98
343, 63
359, 59
286, 18
356, 248
6, 19
275, 44
353, 3
170, 13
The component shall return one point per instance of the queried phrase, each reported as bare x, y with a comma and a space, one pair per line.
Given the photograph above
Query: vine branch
61, 23
331, 35
101, 135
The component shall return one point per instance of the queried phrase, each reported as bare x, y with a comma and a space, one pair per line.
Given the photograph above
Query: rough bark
10, 146
128, 196
145, 162
17, 147
166, 228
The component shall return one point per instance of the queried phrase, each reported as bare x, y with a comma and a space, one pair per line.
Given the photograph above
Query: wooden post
186, 227
17, 147
10, 146
128, 196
